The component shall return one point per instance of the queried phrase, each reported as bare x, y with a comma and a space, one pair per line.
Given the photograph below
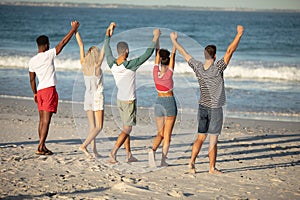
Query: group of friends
208, 73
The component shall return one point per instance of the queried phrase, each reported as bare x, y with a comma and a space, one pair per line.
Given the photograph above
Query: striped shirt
211, 82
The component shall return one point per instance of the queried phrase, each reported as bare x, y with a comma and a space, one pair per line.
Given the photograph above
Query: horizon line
167, 7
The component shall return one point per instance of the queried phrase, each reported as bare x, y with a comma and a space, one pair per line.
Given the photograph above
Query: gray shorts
127, 111
210, 120
165, 106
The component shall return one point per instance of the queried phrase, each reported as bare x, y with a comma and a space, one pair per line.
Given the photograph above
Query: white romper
93, 98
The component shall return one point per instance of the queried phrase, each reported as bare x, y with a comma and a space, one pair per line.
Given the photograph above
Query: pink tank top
164, 83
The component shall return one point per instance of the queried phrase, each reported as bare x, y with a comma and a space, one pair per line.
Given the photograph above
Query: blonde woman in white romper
93, 99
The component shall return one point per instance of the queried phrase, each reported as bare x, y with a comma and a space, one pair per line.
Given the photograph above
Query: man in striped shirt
211, 82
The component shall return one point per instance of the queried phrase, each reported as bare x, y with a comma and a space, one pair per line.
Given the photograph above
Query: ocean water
262, 80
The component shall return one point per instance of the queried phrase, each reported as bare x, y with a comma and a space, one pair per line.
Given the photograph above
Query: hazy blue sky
254, 4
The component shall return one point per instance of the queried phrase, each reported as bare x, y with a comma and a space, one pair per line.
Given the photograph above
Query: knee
160, 134
201, 138
98, 129
44, 122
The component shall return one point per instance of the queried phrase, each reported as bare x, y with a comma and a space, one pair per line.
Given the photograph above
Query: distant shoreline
131, 6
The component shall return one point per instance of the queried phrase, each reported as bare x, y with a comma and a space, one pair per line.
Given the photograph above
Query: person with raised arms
165, 109
93, 99
124, 72
211, 81
41, 66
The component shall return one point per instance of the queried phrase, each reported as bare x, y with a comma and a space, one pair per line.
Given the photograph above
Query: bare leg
212, 154
169, 124
130, 157
195, 151
91, 120
45, 119
120, 141
99, 124
95, 123
160, 123
157, 140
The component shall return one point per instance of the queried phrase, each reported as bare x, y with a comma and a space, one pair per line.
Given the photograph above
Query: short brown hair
121, 48
210, 52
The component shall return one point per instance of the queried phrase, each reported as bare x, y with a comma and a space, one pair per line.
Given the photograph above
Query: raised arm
172, 59
137, 62
234, 44
101, 56
66, 39
81, 47
107, 50
157, 57
180, 49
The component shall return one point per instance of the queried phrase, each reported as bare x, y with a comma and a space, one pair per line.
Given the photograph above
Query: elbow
229, 51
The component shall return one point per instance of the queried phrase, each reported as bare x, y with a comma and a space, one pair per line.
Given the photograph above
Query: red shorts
47, 99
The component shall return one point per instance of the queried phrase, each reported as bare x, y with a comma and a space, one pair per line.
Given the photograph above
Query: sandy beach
260, 159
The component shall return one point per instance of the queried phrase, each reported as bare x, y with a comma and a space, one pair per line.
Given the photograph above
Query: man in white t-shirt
45, 95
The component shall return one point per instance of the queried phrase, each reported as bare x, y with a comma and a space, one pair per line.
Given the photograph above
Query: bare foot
130, 158
85, 151
192, 168
97, 155
112, 158
215, 171
163, 163
151, 158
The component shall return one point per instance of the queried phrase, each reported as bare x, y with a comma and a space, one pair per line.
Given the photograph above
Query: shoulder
52, 51
170, 70
221, 64
194, 62
49, 53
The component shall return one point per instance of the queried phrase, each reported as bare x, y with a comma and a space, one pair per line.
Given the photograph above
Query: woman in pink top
165, 107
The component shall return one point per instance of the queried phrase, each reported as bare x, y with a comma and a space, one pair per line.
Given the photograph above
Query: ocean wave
241, 70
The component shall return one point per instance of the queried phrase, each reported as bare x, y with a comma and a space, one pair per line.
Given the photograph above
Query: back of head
121, 48
164, 54
42, 40
210, 52
92, 57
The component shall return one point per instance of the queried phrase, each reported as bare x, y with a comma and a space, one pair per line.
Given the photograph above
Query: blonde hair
91, 60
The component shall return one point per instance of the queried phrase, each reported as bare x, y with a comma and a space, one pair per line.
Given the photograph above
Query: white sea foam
281, 73
243, 70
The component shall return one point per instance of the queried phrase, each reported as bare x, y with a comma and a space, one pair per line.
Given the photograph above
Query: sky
227, 4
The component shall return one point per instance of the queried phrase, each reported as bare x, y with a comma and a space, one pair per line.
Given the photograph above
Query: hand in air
111, 28
156, 32
75, 24
240, 29
173, 36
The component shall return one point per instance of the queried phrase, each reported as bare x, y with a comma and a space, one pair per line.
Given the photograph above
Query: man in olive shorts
211, 82
124, 73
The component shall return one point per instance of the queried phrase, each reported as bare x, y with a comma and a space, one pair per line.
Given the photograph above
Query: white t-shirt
43, 66
125, 81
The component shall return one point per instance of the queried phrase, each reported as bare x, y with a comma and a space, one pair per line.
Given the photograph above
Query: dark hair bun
164, 53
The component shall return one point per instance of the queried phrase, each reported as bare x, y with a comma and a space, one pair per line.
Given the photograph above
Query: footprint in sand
124, 187
175, 193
